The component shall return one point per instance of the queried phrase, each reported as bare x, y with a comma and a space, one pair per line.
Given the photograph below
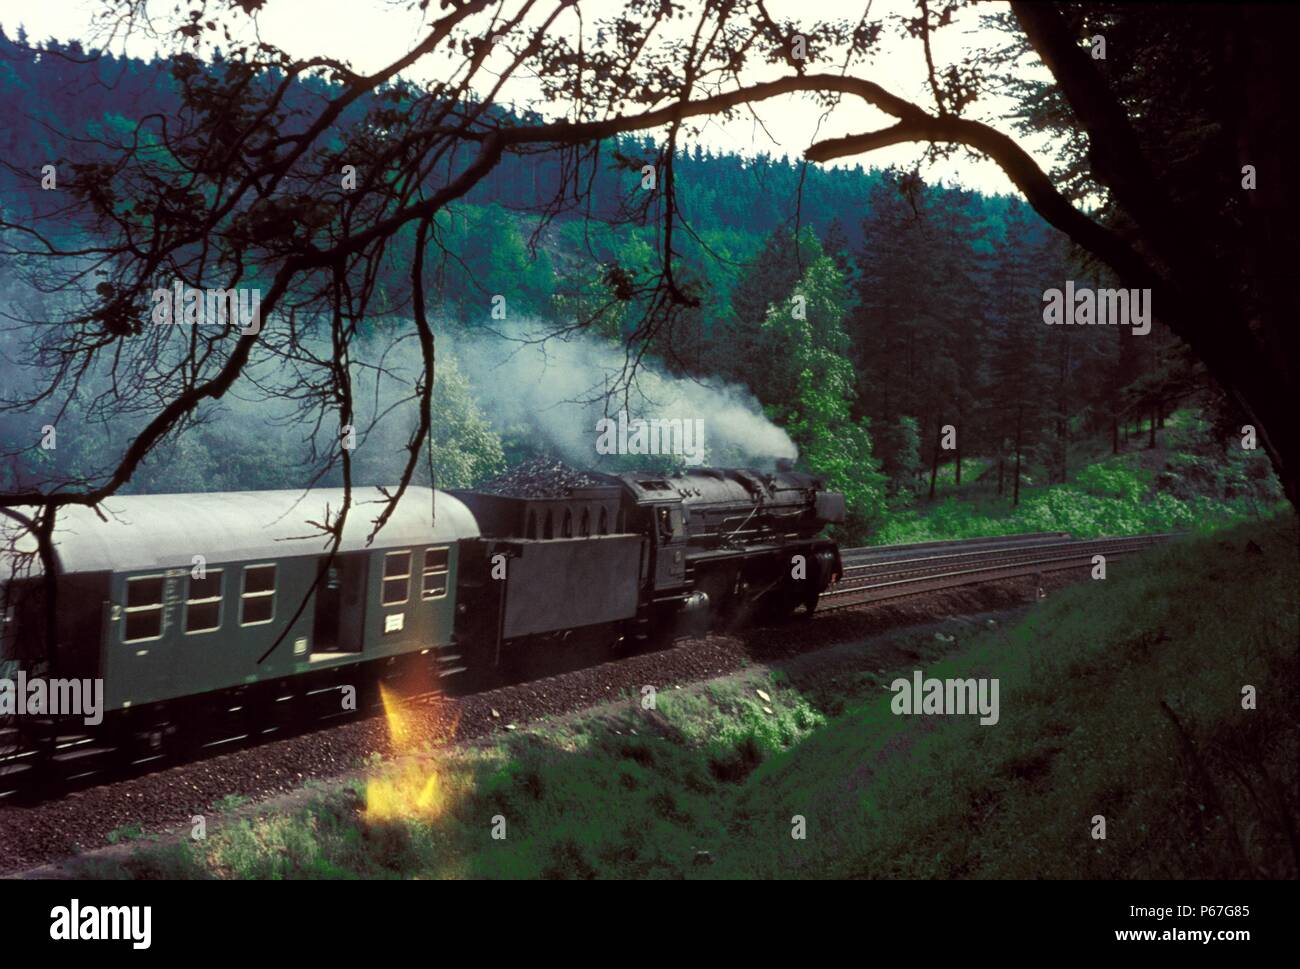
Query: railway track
880, 553
871, 574
886, 572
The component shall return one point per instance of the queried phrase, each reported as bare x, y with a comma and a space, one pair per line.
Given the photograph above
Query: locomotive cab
669, 545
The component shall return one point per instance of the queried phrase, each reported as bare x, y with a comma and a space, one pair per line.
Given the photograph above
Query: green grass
1191, 480
708, 785
127, 832
1116, 496
1083, 732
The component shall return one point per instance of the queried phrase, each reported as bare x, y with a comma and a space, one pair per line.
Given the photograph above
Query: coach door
143, 637
340, 605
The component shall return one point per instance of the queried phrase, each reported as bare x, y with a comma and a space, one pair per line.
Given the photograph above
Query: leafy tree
899, 445
485, 255
1017, 365
466, 449
769, 282
811, 384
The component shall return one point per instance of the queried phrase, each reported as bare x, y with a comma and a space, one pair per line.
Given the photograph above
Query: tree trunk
1114, 435
1020, 413
934, 467
1151, 440
1062, 412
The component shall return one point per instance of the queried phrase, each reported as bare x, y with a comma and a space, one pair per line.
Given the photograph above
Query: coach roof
145, 532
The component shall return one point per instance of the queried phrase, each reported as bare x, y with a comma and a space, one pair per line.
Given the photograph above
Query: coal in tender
541, 478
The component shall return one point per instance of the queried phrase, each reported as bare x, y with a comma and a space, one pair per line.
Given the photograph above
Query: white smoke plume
559, 389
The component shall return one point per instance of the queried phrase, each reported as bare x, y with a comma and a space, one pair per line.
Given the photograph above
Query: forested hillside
865, 311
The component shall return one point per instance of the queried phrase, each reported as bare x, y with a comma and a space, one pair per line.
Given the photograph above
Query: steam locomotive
191, 606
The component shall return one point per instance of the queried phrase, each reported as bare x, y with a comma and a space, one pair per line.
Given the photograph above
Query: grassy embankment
1120, 698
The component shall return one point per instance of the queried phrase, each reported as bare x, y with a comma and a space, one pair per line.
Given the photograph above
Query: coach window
604, 522
397, 578
257, 598
567, 528
547, 530
586, 522
203, 603
144, 609
433, 579
532, 525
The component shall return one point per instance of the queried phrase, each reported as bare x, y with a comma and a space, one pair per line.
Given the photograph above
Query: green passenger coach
171, 596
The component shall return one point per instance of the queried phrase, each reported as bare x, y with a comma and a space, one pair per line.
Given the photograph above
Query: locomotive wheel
810, 605
783, 603
651, 632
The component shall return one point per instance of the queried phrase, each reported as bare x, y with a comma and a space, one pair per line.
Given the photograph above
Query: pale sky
372, 33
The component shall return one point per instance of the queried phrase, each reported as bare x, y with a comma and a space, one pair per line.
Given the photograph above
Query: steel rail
1073, 555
